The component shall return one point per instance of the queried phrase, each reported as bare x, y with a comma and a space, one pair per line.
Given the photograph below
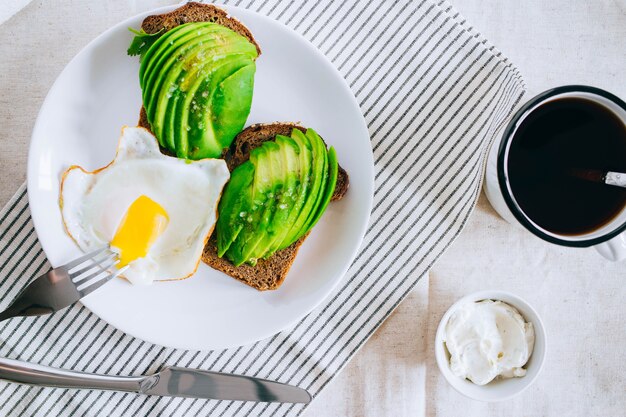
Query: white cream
487, 339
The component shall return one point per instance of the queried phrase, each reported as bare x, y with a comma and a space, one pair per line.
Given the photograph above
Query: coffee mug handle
614, 249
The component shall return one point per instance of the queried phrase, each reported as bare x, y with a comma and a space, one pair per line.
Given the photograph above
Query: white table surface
579, 295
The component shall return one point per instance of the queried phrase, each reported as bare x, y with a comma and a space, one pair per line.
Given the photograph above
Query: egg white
94, 203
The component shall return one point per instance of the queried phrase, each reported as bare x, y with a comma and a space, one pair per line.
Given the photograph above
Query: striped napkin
434, 95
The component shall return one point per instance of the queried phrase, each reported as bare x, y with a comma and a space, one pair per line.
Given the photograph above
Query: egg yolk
142, 224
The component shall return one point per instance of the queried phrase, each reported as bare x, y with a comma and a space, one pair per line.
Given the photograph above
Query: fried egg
155, 211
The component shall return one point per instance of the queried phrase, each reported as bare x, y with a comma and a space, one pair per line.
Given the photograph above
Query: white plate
79, 123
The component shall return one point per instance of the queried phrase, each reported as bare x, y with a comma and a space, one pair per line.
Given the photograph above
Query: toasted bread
196, 12
267, 274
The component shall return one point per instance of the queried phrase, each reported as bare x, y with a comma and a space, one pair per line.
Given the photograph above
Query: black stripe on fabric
323, 25
340, 21
425, 105
416, 83
121, 337
32, 355
9, 211
171, 399
124, 396
425, 59
380, 38
113, 332
73, 366
415, 38
155, 399
63, 364
10, 242
359, 30
280, 15
11, 224
101, 393
261, 6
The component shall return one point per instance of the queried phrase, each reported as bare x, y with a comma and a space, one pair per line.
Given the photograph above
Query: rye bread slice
196, 12
267, 274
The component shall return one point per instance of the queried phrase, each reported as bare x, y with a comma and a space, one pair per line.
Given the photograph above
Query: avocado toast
262, 269
197, 78
267, 274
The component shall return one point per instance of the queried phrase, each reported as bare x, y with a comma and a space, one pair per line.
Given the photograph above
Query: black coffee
556, 139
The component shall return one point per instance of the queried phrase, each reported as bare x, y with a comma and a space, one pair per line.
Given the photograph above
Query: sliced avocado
203, 139
318, 176
236, 199
259, 189
333, 168
208, 64
168, 83
306, 159
256, 245
170, 50
230, 105
290, 164
169, 53
148, 61
322, 154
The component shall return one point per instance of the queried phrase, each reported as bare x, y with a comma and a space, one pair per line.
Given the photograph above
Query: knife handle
40, 375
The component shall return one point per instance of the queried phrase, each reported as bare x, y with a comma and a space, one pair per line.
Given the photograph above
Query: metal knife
169, 382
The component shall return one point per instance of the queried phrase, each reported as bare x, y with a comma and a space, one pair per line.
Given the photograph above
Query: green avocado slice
317, 182
167, 84
279, 226
322, 153
254, 246
236, 199
169, 49
148, 60
258, 189
230, 105
170, 53
305, 163
198, 117
333, 168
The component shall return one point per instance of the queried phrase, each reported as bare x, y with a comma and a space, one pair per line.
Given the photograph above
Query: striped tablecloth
434, 94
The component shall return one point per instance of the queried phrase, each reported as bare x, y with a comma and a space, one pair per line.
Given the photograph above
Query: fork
63, 286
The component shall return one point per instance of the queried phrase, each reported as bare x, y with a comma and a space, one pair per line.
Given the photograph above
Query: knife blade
183, 382
170, 382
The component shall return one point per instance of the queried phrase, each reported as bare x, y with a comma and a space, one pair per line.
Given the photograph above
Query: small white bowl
499, 389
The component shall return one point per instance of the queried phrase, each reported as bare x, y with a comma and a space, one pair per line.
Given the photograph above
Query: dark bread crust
196, 12
266, 274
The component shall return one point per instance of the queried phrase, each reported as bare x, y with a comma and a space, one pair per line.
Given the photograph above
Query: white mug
610, 239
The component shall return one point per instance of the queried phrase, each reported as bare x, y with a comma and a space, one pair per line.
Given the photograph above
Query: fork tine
93, 271
96, 263
83, 259
88, 287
